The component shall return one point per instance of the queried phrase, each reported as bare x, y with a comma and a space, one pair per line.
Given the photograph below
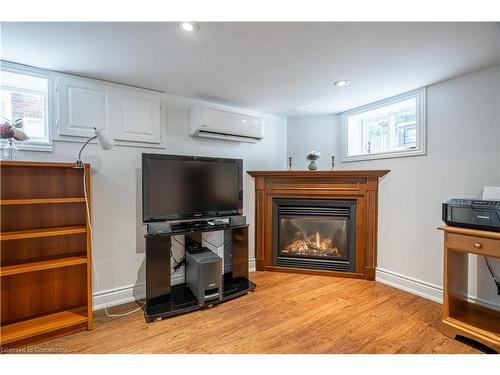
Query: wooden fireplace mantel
358, 185
336, 173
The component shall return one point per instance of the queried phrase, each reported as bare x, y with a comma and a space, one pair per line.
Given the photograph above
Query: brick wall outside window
27, 105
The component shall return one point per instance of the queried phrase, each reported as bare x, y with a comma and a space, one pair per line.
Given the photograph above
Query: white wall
463, 122
118, 249
313, 133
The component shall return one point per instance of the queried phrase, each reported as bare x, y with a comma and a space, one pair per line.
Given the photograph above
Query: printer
472, 213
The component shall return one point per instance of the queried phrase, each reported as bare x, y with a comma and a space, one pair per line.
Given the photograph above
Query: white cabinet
126, 114
83, 103
137, 115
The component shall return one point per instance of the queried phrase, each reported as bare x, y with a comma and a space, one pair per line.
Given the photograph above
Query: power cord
182, 262
178, 263
178, 266
92, 246
497, 283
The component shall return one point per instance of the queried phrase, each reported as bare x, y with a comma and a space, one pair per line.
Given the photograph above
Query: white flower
313, 155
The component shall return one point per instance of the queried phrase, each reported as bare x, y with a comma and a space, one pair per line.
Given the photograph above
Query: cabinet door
84, 103
138, 115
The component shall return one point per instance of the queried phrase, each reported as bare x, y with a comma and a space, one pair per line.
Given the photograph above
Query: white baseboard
422, 288
130, 293
251, 265
118, 296
409, 284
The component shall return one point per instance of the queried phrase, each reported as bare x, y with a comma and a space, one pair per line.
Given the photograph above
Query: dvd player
472, 213
200, 225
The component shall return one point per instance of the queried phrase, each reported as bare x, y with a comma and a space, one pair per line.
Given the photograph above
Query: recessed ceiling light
188, 26
342, 82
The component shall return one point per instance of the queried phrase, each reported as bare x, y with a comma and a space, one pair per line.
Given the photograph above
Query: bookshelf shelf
42, 265
43, 325
19, 202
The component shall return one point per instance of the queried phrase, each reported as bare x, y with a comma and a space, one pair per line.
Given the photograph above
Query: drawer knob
477, 245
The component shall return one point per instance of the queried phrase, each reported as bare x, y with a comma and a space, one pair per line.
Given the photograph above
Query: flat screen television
187, 187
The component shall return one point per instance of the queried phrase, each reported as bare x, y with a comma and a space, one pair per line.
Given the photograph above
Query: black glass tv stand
164, 300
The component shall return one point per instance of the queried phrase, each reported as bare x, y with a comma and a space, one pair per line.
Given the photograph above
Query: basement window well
393, 127
24, 97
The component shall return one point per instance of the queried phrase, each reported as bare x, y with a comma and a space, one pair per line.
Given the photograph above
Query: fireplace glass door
317, 237
314, 234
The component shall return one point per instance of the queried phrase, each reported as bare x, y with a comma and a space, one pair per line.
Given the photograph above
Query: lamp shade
104, 142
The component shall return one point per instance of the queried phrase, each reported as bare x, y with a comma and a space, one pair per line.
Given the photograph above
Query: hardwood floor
286, 314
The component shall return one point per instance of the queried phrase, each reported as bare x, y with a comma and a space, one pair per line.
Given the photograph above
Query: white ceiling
281, 68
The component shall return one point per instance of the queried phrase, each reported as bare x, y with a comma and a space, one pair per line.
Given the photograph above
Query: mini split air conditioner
213, 123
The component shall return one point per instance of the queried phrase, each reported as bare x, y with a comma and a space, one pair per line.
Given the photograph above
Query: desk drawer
472, 244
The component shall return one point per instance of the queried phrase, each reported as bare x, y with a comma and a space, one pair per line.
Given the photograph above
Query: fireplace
314, 234
347, 200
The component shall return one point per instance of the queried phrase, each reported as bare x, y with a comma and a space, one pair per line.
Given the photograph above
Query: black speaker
159, 227
235, 221
204, 274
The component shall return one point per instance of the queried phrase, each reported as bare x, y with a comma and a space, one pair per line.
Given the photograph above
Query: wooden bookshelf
45, 258
462, 317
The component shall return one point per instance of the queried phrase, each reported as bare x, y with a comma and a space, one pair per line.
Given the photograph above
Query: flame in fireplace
312, 245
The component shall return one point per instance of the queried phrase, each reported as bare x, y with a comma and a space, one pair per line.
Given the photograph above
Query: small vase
9, 151
312, 165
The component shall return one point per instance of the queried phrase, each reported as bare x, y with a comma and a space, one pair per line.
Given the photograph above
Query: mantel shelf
332, 173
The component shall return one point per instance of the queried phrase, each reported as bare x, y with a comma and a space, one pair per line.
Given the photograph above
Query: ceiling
280, 68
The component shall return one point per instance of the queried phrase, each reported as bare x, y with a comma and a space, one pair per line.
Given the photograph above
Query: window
24, 95
393, 127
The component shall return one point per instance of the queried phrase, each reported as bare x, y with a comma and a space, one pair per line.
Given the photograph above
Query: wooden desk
460, 316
